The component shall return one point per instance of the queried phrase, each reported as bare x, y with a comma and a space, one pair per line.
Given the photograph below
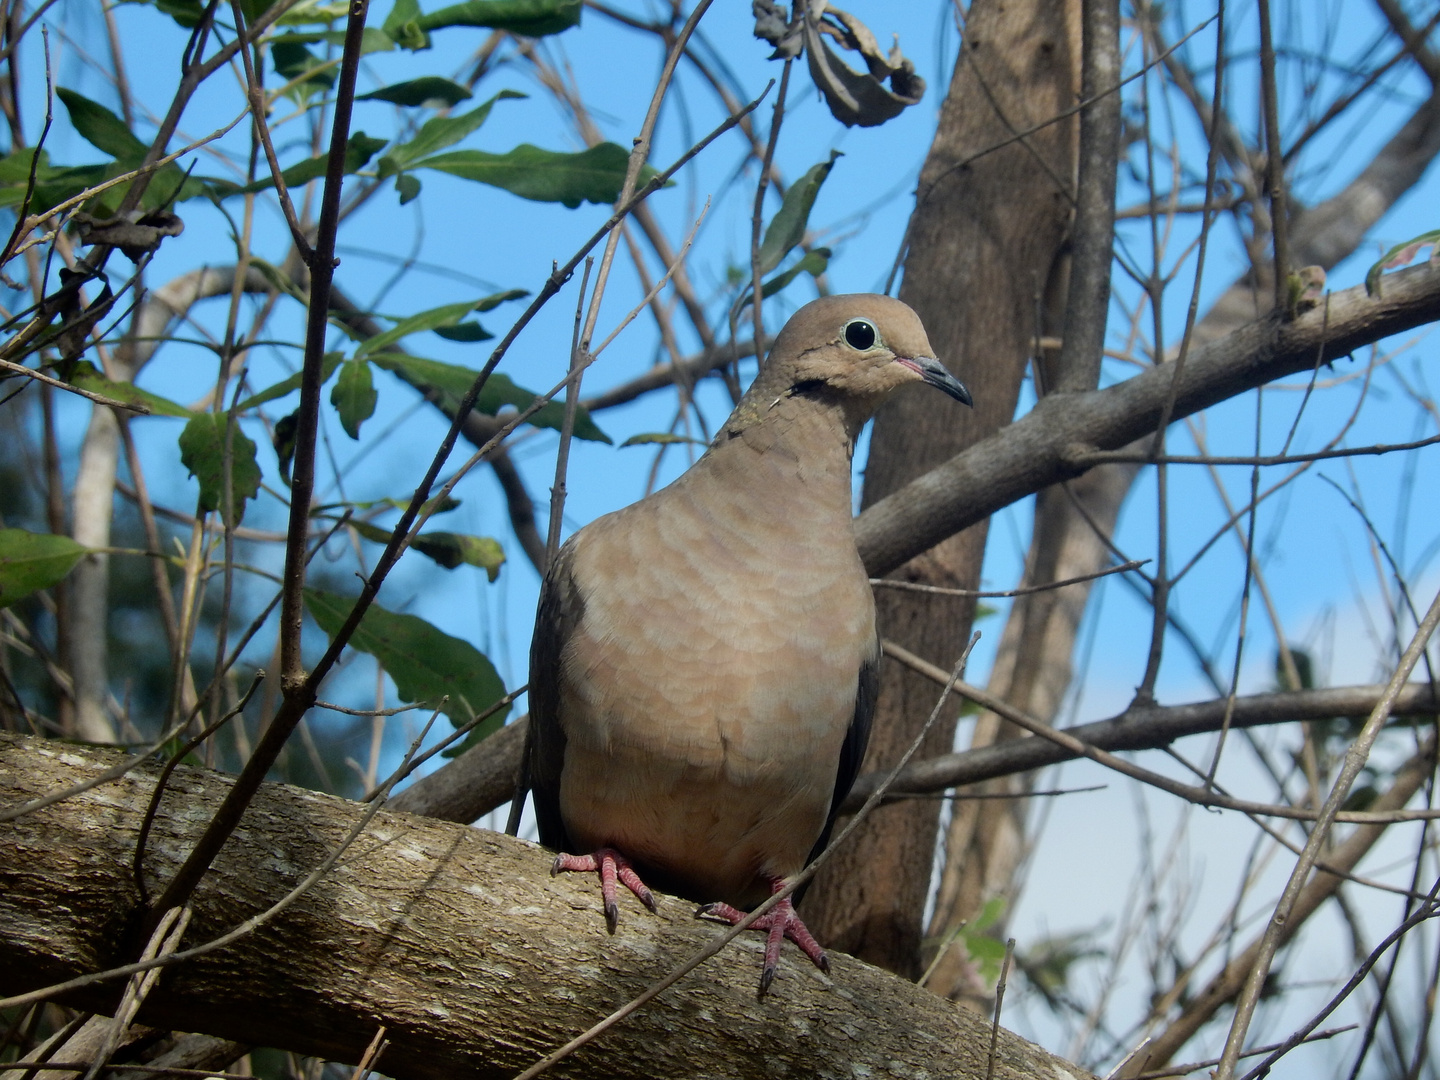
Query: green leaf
283, 440
85, 377
401, 12
1400, 255
33, 561
354, 396
533, 18
440, 505
101, 128
107, 133
292, 60
453, 382
787, 227
464, 331
185, 12
328, 363
435, 318
439, 132
371, 40
400, 26
53, 184
202, 451
814, 264
989, 914
429, 91
452, 549
663, 438
446, 548
407, 185
358, 152
426, 663
594, 175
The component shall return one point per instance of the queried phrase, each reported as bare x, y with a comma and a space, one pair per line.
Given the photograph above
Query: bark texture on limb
983, 239
457, 940
1051, 443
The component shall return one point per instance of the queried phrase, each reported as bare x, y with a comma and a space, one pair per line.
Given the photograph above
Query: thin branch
1275, 188
1197, 795
1330, 812
1303, 1033
912, 586
255, 95
999, 1001
1088, 459
99, 399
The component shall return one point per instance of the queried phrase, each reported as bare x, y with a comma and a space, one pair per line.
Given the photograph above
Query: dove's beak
934, 373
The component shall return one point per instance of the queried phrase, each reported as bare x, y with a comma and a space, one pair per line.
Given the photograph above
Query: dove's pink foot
780, 923
611, 865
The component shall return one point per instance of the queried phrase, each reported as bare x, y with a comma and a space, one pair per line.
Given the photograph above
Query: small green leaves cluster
786, 232
297, 59
427, 664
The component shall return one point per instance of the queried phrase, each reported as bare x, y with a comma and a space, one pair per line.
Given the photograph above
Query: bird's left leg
780, 922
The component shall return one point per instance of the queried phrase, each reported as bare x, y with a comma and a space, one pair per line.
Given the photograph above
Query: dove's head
860, 347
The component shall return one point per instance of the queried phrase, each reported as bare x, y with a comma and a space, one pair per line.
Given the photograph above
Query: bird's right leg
611, 865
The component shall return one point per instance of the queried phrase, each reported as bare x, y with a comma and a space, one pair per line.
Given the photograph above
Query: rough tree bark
458, 941
999, 219
985, 841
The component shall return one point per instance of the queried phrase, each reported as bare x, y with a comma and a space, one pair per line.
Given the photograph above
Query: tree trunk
997, 219
456, 940
986, 842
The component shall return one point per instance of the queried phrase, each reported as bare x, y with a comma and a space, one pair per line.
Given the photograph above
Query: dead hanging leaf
133, 234
77, 320
857, 98
772, 25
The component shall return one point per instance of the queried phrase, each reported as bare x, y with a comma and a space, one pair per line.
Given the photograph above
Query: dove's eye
860, 334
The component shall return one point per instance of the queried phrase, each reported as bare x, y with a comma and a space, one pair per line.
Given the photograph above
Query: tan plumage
703, 666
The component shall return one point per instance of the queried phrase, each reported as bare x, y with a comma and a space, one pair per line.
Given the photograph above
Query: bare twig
1196, 1066
372, 1055
1197, 795
99, 399
913, 586
999, 1002
255, 94
1303, 1033
777, 115
1274, 172
1355, 758
163, 942
567, 428
1089, 459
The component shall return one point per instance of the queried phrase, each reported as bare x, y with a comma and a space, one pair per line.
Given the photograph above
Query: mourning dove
705, 662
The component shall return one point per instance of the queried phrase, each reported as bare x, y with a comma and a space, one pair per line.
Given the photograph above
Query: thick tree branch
1039, 449
483, 778
457, 940
1145, 728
